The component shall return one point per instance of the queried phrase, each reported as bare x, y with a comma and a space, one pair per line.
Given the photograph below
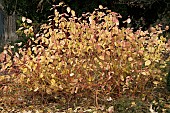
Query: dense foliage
86, 61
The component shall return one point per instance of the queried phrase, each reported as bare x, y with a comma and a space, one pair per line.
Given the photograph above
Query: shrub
81, 59
130, 105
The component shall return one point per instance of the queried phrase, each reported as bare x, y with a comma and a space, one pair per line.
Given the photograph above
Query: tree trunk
7, 28
10, 28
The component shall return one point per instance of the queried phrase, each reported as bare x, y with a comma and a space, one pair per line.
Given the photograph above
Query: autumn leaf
53, 82
151, 49
48, 91
42, 58
90, 79
41, 75
100, 7
101, 57
29, 21
73, 13
71, 74
23, 19
36, 89
130, 59
24, 70
144, 73
155, 82
147, 63
68, 9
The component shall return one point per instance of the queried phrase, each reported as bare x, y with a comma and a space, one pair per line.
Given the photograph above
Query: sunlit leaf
73, 13
151, 49
130, 59
76, 90
29, 21
29, 51
61, 3
41, 75
90, 78
28, 80
25, 70
101, 57
48, 91
72, 74
144, 73
100, 7
8, 64
155, 82
17, 55
31, 29
68, 9
133, 104
2, 77
36, 89
43, 58
122, 78
147, 63
23, 19
111, 109
53, 82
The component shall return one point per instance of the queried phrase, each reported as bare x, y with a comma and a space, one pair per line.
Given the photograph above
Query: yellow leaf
29, 21
36, 89
84, 65
2, 77
130, 59
42, 58
155, 82
143, 73
61, 3
28, 80
101, 57
52, 82
116, 44
5, 52
25, 70
23, 19
122, 78
73, 13
110, 109
147, 63
76, 90
29, 51
151, 49
48, 91
68, 9
41, 75
133, 104
30, 29
19, 44
17, 55
34, 67
90, 79
46, 41
71, 74
30, 64
60, 87
52, 75
9, 64
100, 7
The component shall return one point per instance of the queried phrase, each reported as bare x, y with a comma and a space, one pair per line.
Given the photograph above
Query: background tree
143, 13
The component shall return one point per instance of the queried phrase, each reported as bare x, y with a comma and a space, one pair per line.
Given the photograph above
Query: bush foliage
78, 60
